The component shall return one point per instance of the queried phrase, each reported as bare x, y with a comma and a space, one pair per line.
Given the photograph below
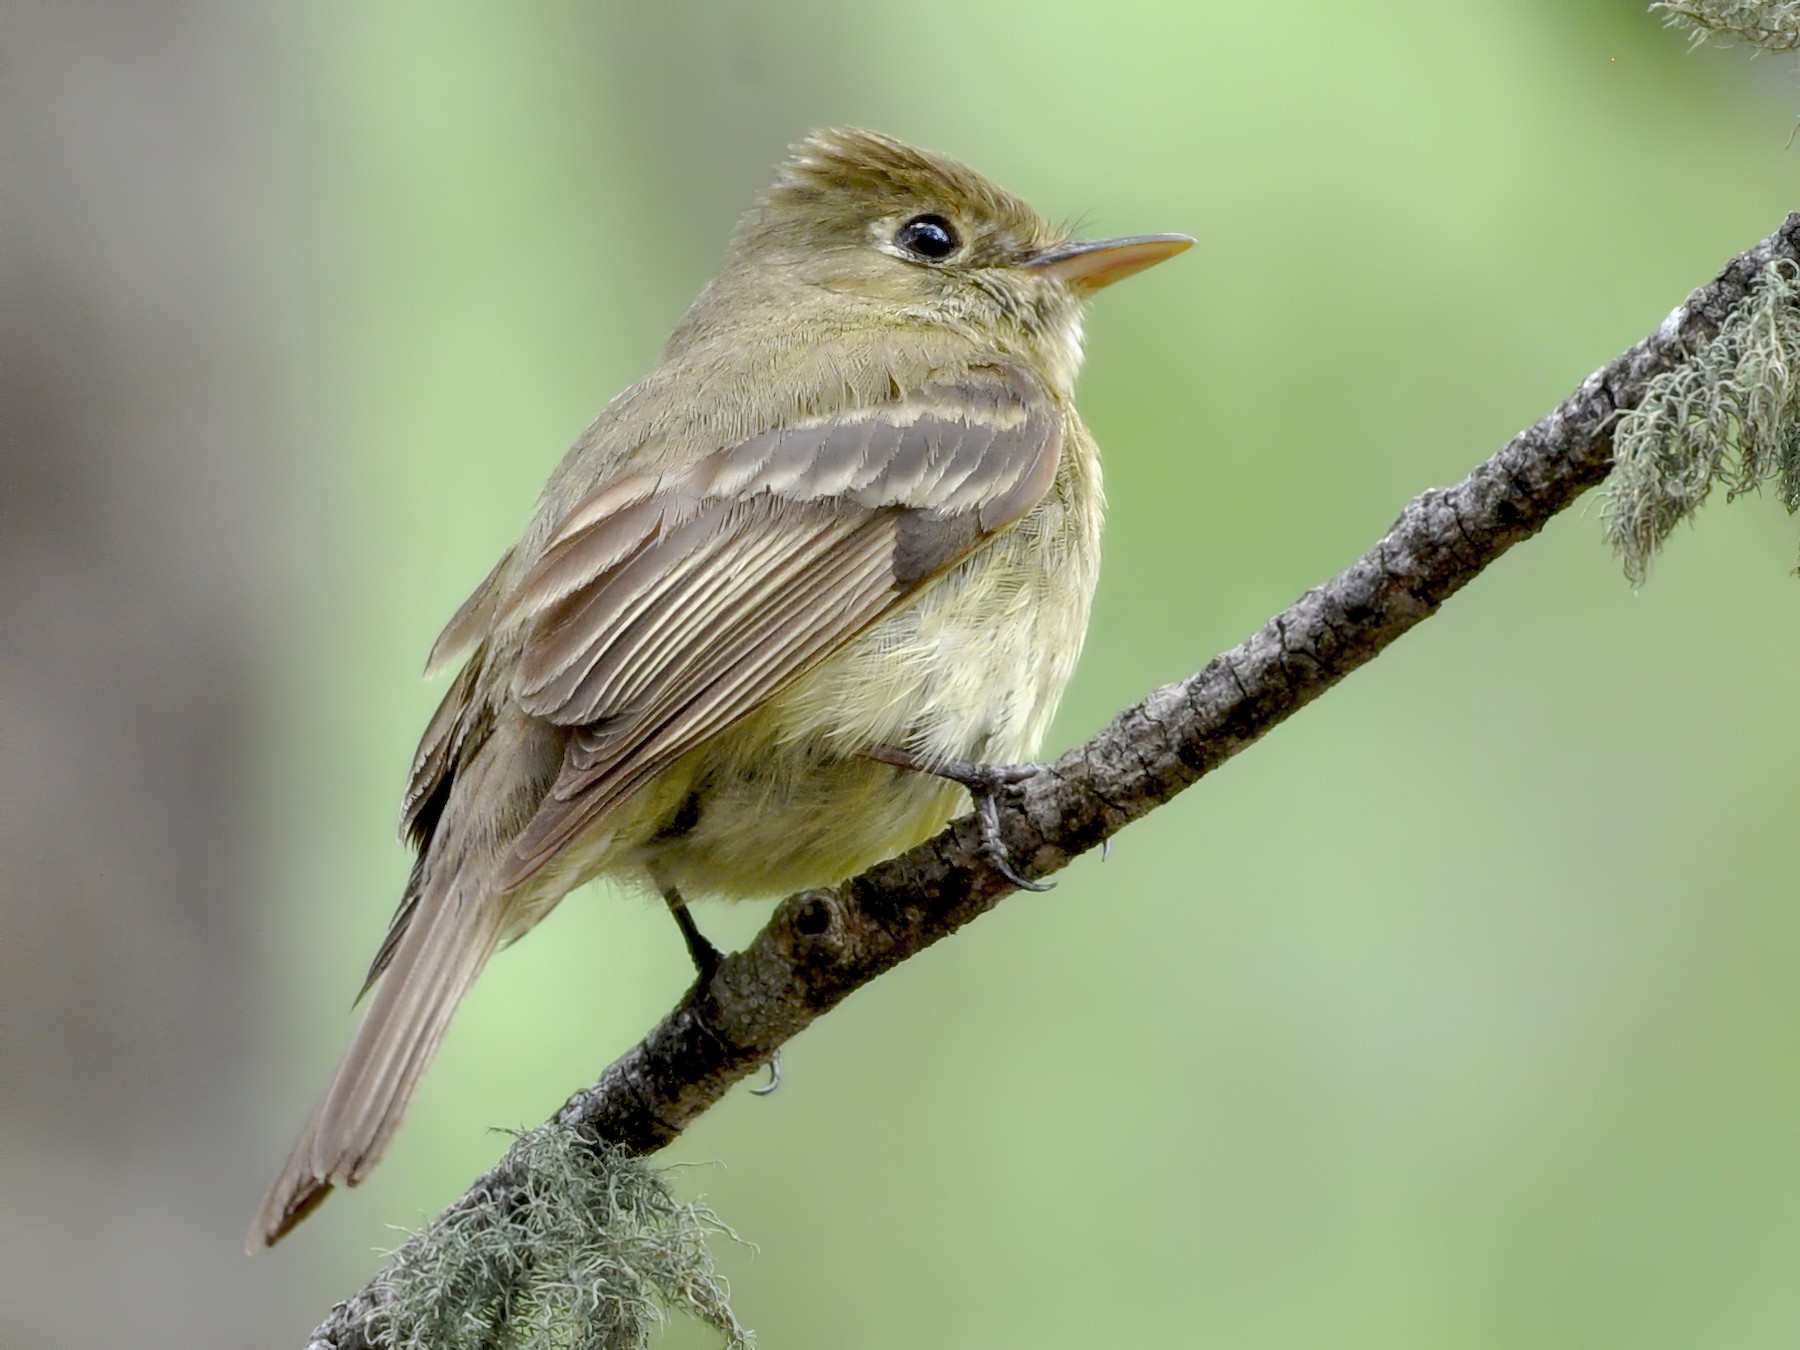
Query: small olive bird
778, 610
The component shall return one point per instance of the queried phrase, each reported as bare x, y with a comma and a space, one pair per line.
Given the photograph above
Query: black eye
928, 236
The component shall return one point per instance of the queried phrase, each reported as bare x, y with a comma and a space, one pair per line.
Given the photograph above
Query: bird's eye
930, 237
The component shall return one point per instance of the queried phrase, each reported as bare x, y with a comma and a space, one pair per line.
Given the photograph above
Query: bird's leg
706, 958
985, 783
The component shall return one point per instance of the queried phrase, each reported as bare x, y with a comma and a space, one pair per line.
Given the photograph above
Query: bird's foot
985, 783
706, 959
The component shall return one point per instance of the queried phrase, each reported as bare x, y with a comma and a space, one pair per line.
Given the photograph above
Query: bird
787, 605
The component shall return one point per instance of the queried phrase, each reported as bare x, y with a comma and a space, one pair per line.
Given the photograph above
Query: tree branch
822, 945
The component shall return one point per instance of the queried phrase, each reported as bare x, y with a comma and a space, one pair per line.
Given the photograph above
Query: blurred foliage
1460, 1011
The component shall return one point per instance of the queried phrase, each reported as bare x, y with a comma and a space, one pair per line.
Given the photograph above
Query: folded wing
669, 605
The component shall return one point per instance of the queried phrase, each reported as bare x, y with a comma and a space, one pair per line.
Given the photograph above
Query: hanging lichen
1728, 414
1772, 25
589, 1252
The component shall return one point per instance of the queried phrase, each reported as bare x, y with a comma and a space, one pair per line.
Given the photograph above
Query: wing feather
470, 621
553, 671
574, 560
737, 677
687, 618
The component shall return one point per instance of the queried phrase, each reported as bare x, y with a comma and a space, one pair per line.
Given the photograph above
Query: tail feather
449, 939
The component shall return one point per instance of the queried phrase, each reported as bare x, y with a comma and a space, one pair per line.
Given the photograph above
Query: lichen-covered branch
821, 946
590, 1249
1771, 25
1728, 414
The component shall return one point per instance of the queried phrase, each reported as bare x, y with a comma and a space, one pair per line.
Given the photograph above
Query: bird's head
926, 240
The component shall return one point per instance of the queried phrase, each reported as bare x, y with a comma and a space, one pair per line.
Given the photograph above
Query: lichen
1770, 25
588, 1250
1729, 413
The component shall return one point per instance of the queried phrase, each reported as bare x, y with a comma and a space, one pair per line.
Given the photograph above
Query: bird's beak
1088, 265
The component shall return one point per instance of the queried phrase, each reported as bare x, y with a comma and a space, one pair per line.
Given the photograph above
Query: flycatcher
776, 610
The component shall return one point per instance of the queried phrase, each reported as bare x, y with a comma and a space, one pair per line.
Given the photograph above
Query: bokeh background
1462, 1011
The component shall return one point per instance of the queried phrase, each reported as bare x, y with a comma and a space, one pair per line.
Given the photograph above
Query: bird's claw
993, 847
774, 1077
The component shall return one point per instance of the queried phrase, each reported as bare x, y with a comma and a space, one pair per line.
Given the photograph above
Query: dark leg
706, 959
985, 783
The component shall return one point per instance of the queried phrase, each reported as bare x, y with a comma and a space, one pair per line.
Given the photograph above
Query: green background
1462, 1011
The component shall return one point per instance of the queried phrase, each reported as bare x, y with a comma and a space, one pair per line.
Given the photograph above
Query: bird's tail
453, 932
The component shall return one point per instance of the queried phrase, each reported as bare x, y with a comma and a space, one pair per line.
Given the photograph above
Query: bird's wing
666, 606
470, 622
